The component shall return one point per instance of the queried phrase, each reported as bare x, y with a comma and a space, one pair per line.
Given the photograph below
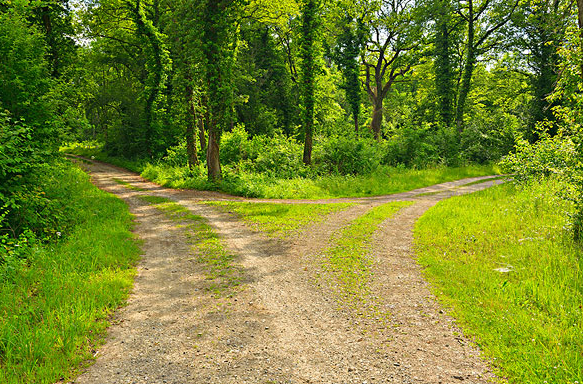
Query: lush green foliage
504, 263
56, 295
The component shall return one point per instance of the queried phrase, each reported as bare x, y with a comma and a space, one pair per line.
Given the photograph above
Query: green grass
504, 263
385, 181
347, 264
56, 301
128, 185
279, 220
222, 274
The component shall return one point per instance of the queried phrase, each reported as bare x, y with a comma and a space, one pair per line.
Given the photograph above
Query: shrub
344, 155
549, 156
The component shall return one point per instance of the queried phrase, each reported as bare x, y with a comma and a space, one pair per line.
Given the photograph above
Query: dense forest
282, 99
308, 88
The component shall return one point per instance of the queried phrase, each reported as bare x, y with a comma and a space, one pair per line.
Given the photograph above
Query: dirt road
281, 325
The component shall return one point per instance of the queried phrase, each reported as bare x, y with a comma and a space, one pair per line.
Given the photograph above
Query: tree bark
212, 156
190, 136
308, 147
468, 70
377, 118
580, 20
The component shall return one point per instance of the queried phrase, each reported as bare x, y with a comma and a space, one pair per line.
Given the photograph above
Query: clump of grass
222, 274
504, 263
54, 307
347, 265
280, 220
128, 185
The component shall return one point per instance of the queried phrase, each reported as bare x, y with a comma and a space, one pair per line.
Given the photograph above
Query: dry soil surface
281, 325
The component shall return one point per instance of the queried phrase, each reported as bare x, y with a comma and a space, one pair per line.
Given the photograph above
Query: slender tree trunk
356, 125
468, 70
443, 65
308, 147
377, 117
190, 135
308, 53
212, 155
201, 134
580, 19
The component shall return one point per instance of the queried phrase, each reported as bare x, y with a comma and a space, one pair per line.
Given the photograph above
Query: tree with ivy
444, 66
350, 42
158, 67
219, 27
308, 52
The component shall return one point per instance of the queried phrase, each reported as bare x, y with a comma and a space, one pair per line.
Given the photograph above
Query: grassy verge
347, 264
223, 276
56, 297
503, 262
384, 181
279, 220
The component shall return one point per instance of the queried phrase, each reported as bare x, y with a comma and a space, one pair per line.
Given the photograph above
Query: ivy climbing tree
219, 44
158, 67
308, 52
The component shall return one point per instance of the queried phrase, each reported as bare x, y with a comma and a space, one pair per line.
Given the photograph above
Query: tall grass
503, 260
384, 181
242, 179
56, 297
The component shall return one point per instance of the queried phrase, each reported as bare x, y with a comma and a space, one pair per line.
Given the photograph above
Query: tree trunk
443, 65
308, 147
191, 138
201, 134
469, 65
212, 156
377, 118
308, 74
356, 124
580, 19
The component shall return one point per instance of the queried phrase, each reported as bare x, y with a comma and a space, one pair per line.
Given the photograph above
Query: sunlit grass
55, 308
502, 260
384, 181
280, 220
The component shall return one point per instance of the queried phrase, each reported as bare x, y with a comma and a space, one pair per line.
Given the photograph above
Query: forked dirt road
281, 325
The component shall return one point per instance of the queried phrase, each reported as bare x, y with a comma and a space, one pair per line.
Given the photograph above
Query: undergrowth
56, 294
276, 180
279, 220
503, 260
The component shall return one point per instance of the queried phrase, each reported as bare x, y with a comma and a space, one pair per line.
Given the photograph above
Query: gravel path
281, 326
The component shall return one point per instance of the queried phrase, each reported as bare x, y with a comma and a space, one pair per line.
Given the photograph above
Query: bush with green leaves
344, 155
549, 156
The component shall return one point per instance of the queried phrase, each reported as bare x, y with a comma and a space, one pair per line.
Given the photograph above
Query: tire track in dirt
281, 327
